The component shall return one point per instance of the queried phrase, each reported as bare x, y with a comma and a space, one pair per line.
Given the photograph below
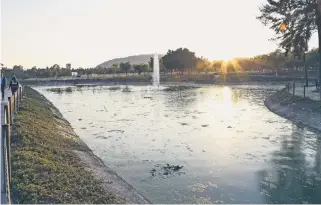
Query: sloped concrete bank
50, 163
302, 111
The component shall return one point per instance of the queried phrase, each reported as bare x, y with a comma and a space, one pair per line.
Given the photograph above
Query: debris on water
184, 123
147, 97
83, 128
114, 88
179, 88
229, 127
198, 187
126, 89
80, 119
189, 149
204, 125
121, 131
204, 151
165, 171
103, 137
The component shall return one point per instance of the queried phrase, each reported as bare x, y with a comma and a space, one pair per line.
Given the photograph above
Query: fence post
293, 87
14, 103
17, 99
20, 88
11, 110
303, 91
6, 134
3, 166
6, 114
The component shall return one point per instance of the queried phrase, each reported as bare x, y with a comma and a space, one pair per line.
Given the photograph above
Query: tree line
182, 60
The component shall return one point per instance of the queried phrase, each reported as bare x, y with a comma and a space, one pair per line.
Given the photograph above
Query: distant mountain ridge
137, 59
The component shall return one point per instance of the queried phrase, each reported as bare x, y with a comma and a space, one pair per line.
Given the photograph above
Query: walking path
299, 91
3, 180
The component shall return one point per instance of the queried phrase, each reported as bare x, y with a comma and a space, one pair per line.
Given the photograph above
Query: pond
210, 144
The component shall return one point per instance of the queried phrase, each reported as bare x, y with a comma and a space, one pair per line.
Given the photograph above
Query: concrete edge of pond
110, 180
301, 111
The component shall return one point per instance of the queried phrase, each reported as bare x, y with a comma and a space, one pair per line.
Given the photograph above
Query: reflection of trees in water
291, 181
253, 96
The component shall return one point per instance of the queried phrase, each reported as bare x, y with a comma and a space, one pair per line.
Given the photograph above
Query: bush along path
45, 166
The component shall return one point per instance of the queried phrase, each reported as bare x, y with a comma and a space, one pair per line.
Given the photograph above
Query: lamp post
305, 69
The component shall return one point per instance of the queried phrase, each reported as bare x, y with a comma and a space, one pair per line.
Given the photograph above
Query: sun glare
227, 95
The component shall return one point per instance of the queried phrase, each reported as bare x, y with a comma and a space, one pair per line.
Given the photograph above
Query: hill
137, 59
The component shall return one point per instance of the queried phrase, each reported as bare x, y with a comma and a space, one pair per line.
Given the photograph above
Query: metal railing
10, 110
299, 89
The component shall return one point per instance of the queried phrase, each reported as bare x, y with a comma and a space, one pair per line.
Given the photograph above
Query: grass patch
179, 88
44, 167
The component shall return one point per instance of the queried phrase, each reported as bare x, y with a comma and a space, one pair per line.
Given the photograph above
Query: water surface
232, 149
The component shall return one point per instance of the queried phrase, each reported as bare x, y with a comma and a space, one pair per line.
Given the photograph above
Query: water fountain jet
156, 71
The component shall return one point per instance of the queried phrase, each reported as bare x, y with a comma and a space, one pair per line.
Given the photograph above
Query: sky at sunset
88, 32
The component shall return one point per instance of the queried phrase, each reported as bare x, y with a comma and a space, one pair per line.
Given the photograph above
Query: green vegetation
45, 168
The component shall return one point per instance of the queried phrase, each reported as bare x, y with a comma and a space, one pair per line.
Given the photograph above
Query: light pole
304, 55
305, 69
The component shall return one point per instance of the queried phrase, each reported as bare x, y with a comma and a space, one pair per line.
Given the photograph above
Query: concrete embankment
50, 164
302, 111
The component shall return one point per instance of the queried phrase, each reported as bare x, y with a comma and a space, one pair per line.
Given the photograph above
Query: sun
225, 58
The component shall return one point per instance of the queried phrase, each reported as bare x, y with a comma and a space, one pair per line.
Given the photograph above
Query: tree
180, 59
301, 18
125, 67
137, 68
151, 63
216, 65
68, 66
140, 68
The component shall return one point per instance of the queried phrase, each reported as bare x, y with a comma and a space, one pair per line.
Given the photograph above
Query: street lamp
305, 68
